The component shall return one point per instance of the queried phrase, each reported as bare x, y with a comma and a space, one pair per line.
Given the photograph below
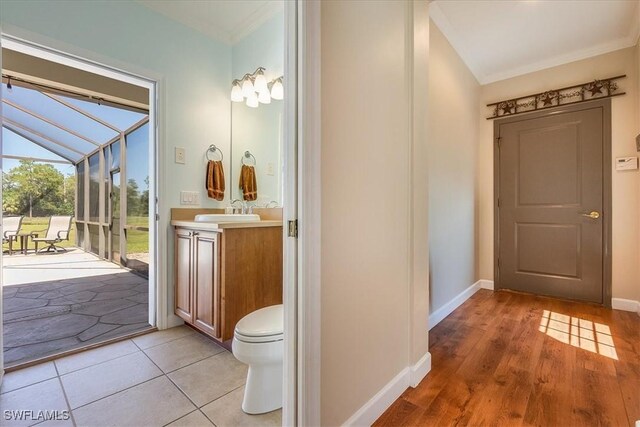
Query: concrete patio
58, 302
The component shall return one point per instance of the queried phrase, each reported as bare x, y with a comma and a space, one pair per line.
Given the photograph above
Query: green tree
133, 198
36, 189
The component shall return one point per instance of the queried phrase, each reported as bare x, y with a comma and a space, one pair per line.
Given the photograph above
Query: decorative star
547, 99
507, 107
595, 88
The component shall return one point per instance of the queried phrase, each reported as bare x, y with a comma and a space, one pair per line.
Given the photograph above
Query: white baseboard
420, 370
408, 377
438, 315
625, 305
173, 321
486, 284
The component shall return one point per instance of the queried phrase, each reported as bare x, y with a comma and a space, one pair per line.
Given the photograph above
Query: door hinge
157, 217
499, 141
498, 201
293, 228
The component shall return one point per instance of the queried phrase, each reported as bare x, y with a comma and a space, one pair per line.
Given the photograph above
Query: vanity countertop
218, 226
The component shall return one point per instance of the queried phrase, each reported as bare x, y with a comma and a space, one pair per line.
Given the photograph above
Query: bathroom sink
215, 218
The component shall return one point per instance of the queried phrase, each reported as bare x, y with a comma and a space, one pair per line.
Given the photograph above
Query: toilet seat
262, 326
262, 339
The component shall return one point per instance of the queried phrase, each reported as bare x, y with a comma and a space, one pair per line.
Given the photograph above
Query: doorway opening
76, 219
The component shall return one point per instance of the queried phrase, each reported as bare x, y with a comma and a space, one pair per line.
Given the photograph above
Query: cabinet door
184, 270
205, 284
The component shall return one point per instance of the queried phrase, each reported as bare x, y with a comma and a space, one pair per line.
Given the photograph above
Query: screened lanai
106, 144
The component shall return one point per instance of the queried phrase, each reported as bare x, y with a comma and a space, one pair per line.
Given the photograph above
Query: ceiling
225, 20
503, 39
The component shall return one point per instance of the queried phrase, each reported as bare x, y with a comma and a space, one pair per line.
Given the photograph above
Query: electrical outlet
191, 198
270, 168
180, 156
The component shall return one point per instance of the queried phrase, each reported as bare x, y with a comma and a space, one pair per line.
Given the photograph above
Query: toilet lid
266, 322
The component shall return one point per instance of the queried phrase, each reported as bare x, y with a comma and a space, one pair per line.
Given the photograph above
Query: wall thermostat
626, 163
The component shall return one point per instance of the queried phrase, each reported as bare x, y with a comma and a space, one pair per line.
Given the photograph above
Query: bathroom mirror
257, 127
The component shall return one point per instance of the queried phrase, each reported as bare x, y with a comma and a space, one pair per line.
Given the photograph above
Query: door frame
605, 104
47, 49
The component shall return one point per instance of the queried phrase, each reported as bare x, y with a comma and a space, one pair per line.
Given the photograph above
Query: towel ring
247, 156
212, 149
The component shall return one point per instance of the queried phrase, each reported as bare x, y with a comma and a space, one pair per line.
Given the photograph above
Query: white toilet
258, 342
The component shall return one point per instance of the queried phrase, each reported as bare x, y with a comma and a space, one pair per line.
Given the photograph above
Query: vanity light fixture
254, 88
252, 100
264, 97
260, 82
236, 91
247, 86
277, 91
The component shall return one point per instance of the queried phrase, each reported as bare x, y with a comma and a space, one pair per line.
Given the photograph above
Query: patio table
24, 241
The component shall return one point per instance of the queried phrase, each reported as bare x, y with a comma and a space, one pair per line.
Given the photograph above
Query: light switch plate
626, 163
270, 168
191, 198
180, 156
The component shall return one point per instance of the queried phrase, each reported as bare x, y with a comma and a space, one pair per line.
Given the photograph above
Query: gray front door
550, 187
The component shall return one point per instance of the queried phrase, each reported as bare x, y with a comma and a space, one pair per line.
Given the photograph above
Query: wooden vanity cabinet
197, 273
222, 276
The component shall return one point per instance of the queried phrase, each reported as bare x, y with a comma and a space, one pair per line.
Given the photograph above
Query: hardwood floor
508, 359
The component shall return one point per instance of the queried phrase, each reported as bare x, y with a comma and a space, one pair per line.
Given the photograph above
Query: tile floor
175, 377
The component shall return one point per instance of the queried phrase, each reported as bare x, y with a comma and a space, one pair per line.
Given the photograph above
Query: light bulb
252, 100
260, 83
264, 97
236, 92
247, 87
277, 91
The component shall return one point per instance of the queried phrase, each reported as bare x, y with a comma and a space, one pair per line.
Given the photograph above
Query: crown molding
255, 20
559, 60
442, 22
201, 25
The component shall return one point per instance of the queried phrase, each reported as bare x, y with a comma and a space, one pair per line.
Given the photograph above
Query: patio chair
10, 229
58, 231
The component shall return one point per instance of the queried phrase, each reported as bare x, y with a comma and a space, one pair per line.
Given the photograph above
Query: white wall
626, 185
259, 130
194, 73
373, 221
454, 95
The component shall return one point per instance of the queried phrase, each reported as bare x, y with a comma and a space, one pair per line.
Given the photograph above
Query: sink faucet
237, 209
244, 209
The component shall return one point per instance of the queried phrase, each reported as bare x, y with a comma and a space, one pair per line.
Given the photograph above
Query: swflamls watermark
31, 415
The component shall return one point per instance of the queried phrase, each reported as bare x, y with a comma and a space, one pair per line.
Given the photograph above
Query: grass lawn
137, 240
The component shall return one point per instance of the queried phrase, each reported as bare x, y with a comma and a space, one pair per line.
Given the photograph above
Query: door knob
592, 214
